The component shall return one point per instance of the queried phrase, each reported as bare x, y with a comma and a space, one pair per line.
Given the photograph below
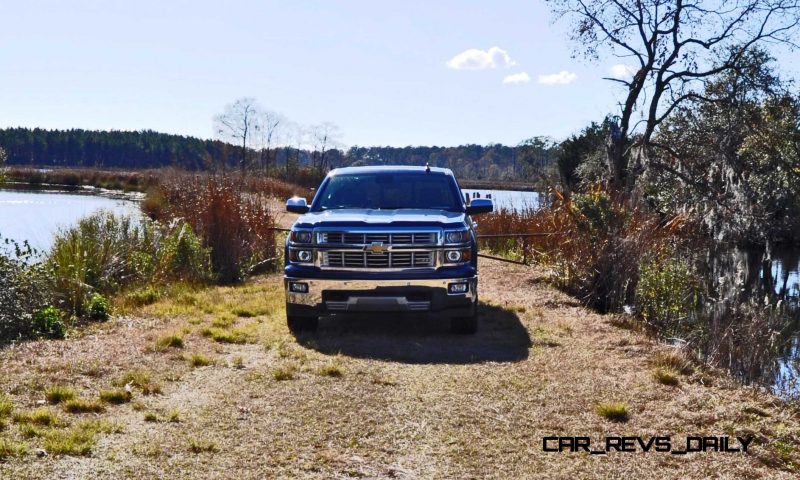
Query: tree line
530, 160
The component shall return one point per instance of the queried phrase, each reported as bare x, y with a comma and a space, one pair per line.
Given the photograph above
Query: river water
507, 199
36, 215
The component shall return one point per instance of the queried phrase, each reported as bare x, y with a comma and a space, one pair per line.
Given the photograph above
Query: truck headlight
459, 236
458, 256
303, 256
453, 256
300, 236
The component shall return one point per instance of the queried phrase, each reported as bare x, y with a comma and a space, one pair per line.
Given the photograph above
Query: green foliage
25, 290
104, 253
97, 307
3, 157
48, 322
734, 162
580, 156
668, 296
143, 296
183, 257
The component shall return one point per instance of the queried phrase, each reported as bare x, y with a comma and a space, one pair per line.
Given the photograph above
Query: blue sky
377, 69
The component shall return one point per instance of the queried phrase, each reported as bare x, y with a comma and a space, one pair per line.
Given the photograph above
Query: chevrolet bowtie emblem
377, 247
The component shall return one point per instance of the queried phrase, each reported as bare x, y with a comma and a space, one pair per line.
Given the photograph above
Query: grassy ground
211, 384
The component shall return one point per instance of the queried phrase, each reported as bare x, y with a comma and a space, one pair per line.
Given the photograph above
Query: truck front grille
349, 238
360, 259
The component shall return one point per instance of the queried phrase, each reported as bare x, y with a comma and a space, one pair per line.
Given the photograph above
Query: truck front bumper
327, 296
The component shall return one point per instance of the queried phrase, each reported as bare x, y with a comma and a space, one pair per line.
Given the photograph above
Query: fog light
458, 288
453, 256
298, 287
304, 256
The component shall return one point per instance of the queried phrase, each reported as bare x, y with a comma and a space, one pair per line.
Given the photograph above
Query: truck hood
389, 218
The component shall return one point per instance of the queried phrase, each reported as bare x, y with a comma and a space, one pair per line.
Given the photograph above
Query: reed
231, 214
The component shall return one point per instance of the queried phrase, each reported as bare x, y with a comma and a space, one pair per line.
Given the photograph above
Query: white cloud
476, 59
561, 78
517, 78
621, 71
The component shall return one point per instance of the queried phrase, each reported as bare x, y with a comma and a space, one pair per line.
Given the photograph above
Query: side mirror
479, 205
297, 205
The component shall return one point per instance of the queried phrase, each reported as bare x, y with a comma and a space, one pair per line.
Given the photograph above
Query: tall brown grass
75, 177
231, 215
596, 245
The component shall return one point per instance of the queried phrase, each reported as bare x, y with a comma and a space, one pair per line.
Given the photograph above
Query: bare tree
268, 125
676, 46
325, 137
238, 123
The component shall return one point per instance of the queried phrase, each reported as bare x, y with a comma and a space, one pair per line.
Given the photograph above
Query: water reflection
754, 317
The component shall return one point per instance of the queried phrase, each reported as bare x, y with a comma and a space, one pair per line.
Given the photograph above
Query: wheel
298, 324
465, 325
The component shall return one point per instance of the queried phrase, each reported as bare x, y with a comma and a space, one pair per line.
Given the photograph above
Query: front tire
299, 324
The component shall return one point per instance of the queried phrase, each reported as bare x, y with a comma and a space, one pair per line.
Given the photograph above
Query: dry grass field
211, 384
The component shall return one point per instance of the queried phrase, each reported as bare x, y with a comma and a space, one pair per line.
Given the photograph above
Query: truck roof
387, 168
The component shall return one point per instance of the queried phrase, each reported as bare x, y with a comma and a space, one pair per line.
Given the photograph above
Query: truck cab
384, 239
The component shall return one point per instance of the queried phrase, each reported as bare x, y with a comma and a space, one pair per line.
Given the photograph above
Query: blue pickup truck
384, 239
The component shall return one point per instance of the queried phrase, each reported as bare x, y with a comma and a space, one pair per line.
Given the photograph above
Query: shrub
234, 222
97, 307
25, 290
668, 296
183, 257
47, 322
102, 253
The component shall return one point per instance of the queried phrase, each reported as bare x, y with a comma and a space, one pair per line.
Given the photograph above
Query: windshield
389, 191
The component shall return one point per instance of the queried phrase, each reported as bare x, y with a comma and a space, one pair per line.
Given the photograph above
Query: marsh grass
79, 405
616, 412
173, 340
666, 376
11, 449
139, 378
673, 360
115, 397
197, 445
6, 406
199, 360
233, 221
220, 335
285, 372
57, 394
332, 369
41, 416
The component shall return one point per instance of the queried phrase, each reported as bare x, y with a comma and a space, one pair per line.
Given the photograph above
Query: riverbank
230, 393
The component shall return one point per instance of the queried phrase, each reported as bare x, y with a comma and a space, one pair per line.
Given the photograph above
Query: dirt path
387, 397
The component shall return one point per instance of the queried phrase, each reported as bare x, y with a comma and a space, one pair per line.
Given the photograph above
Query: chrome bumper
369, 295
